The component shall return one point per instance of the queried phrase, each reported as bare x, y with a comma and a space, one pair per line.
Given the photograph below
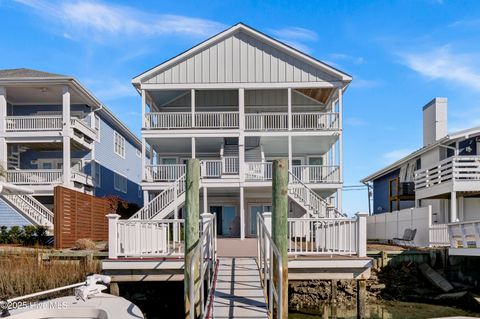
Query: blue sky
400, 53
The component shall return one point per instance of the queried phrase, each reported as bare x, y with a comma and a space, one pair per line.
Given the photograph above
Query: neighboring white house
238, 101
444, 175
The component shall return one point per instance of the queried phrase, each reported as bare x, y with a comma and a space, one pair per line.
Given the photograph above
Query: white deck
238, 292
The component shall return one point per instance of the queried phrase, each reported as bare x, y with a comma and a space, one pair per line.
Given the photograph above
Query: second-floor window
119, 144
120, 183
97, 125
97, 178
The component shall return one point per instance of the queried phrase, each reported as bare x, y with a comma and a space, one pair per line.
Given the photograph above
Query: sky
401, 54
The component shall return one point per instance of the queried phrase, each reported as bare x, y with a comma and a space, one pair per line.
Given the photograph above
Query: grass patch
23, 273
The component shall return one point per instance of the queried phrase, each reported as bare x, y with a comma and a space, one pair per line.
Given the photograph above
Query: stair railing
318, 204
162, 200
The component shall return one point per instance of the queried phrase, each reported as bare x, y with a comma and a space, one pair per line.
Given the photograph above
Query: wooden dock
238, 291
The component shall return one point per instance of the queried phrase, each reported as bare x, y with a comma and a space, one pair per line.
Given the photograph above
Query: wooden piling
280, 224
361, 298
192, 216
114, 289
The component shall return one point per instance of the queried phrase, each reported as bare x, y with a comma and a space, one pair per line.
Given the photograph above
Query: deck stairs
31, 209
314, 204
13, 159
164, 203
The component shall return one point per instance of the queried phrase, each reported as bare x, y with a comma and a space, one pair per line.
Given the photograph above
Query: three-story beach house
53, 131
236, 102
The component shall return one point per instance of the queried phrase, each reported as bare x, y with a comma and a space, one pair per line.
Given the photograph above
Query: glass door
255, 209
315, 173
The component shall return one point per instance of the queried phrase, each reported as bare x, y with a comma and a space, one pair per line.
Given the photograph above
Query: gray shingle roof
27, 73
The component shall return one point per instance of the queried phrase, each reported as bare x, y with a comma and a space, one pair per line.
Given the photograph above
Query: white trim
115, 134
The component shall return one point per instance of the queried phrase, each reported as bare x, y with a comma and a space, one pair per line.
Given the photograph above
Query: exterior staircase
164, 203
316, 206
31, 209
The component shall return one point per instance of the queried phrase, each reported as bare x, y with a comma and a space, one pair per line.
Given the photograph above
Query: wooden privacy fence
78, 215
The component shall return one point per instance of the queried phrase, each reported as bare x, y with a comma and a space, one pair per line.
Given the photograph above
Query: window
97, 178
120, 183
139, 191
119, 144
97, 126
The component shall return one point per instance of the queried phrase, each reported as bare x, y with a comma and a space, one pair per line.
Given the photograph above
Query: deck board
238, 292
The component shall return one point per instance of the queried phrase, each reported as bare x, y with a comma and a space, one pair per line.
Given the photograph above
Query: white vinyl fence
387, 226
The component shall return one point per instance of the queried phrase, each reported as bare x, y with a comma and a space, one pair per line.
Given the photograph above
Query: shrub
84, 244
16, 235
26, 235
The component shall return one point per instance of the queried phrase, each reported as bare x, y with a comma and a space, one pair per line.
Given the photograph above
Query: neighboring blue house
47, 120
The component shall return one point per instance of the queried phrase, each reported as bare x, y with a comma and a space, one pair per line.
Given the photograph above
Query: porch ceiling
184, 145
278, 146
51, 94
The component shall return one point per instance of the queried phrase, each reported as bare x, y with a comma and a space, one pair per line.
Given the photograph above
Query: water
387, 310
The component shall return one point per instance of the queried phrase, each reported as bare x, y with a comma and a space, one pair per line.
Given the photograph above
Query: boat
88, 301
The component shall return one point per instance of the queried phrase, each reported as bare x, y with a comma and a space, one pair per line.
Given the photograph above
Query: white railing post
362, 234
112, 235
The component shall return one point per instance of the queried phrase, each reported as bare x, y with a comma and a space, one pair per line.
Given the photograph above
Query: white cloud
395, 155
355, 121
111, 89
348, 58
295, 33
296, 37
100, 21
442, 64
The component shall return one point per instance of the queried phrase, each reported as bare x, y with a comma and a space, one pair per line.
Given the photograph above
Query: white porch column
205, 200
461, 208
66, 137
192, 103
289, 104
144, 159
290, 153
112, 235
340, 145
453, 207
144, 108
194, 148
3, 115
241, 109
242, 213
145, 198
241, 137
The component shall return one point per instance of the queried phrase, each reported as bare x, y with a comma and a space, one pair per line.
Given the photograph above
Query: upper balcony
453, 174
268, 121
28, 125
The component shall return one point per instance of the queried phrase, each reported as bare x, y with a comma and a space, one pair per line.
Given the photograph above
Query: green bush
26, 235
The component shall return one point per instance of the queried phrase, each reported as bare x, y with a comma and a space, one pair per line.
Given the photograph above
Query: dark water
388, 310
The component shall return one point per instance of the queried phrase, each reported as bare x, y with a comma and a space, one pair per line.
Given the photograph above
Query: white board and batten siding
239, 58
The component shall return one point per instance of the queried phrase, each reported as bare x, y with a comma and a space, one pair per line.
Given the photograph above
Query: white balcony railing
211, 168
257, 171
183, 120
164, 172
438, 235
33, 123
323, 236
35, 176
314, 121
146, 238
464, 234
456, 169
317, 173
230, 164
83, 127
266, 122
216, 120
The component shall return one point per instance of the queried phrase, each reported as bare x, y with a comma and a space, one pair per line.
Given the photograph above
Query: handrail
162, 200
294, 180
266, 251
206, 251
35, 210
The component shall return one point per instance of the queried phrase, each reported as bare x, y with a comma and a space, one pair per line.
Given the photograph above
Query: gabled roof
398, 164
265, 39
28, 73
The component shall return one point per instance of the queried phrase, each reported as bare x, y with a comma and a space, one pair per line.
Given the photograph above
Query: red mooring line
212, 291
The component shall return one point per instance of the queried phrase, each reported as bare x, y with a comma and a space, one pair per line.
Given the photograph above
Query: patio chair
407, 238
